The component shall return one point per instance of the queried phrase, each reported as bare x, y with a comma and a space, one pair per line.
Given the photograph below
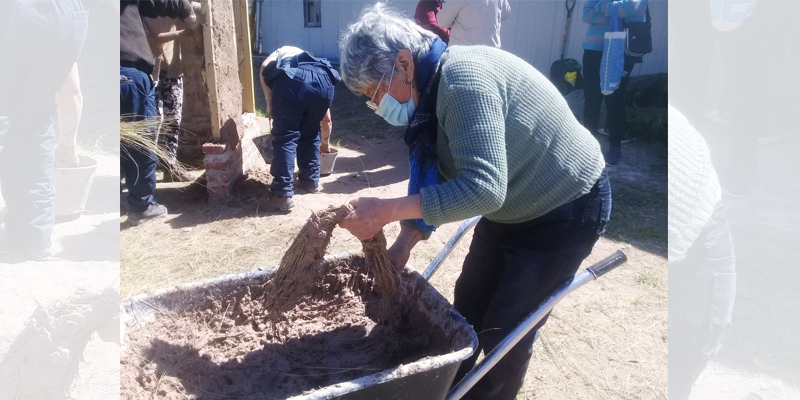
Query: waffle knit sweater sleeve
508, 147
694, 189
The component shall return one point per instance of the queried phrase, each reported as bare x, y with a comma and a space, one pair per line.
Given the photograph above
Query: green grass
638, 216
648, 278
640, 301
260, 113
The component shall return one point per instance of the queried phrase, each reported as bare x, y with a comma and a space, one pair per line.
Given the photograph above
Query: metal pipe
448, 247
257, 42
589, 274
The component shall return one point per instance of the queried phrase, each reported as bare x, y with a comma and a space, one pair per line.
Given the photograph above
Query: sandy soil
333, 330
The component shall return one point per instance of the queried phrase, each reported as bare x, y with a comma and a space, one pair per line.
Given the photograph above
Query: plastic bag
612, 64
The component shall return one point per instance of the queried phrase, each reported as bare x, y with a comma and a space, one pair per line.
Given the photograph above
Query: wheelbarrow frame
589, 274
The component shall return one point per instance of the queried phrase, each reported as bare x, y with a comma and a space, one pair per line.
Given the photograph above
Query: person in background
164, 37
595, 13
70, 109
473, 22
28, 87
425, 16
299, 89
488, 135
138, 98
702, 264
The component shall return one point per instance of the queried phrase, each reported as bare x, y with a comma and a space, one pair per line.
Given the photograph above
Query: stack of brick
223, 167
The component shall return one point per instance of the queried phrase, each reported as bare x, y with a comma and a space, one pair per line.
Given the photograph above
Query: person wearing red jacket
426, 18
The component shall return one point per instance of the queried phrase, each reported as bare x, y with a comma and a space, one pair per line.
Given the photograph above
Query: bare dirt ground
608, 340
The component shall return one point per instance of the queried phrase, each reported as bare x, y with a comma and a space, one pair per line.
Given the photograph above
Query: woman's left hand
369, 216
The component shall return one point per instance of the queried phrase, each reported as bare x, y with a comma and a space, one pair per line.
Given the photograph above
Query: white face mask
390, 109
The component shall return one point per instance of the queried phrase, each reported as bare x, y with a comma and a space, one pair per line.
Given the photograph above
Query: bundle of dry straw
308, 249
141, 136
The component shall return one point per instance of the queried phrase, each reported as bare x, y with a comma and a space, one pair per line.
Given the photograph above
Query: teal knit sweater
508, 146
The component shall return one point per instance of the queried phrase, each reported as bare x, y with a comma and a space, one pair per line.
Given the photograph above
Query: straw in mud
308, 249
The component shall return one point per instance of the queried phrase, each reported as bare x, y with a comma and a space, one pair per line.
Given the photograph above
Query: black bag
559, 69
639, 39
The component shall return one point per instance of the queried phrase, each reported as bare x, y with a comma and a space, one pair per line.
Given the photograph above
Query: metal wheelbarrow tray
426, 378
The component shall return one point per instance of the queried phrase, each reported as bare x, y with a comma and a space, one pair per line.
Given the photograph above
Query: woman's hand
369, 216
400, 251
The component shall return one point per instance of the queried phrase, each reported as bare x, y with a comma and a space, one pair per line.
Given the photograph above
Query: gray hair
369, 46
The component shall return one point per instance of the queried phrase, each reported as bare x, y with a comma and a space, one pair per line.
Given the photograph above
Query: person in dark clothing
596, 13
299, 87
138, 99
29, 81
425, 16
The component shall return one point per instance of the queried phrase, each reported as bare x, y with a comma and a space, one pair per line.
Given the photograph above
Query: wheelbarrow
427, 379
589, 274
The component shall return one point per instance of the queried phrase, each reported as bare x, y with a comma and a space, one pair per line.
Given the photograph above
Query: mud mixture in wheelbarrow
334, 329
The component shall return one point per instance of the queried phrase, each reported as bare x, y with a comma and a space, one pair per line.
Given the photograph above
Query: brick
214, 148
218, 158
223, 178
220, 166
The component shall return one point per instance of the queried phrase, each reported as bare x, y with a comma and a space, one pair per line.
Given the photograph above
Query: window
312, 13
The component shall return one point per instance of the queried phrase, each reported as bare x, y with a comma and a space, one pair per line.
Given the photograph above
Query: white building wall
532, 32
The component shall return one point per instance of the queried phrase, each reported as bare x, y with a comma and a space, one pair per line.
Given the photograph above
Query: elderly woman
488, 135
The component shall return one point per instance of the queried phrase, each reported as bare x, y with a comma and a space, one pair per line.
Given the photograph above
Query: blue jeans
28, 86
511, 269
137, 102
298, 106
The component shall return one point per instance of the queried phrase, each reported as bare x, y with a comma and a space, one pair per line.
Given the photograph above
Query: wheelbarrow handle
491, 359
609, 263
449, 246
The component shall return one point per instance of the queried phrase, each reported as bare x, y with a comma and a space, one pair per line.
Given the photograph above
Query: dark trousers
298, 106
137, 102
702, 290
29, 81
615, 102
511, 269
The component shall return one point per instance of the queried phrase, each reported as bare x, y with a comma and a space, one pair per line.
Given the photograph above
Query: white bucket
327, 161
72, 187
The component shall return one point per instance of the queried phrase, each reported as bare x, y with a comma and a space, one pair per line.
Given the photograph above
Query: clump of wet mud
331, 329
308, 250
